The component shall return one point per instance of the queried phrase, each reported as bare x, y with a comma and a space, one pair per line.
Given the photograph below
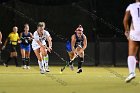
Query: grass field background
92, 80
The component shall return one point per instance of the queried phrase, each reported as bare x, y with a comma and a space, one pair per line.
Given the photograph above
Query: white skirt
134, 35
35, 46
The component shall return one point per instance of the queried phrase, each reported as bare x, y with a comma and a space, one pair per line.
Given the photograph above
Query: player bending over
39, 46
75, 48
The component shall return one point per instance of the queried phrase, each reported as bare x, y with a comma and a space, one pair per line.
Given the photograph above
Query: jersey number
138, 12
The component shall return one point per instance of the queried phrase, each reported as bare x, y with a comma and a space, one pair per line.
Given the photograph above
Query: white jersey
134, 9
42, 39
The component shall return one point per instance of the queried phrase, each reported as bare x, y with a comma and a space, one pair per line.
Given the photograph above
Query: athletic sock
8, 60
70, 62
80, 62
27, 60
41, 65
23, 61
15, 58
131, 64
46, 60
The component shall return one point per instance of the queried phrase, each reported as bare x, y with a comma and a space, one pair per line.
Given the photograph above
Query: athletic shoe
42, 71
24, 67
79, 70
130, 77
28, 67
71, 67
47, 69
5, 64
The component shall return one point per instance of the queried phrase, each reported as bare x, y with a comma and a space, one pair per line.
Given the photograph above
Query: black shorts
13, 48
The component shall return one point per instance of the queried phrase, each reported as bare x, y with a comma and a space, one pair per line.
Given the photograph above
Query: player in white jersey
40, 47
133, 35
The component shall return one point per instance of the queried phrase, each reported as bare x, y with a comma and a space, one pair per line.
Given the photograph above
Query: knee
40, 59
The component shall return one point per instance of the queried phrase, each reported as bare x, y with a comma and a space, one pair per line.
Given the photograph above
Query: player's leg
70, 54
10, 56
22, 50
46, 60
7, 61
71, 58
40, 60
27, 56
133, 48
81, 59
15, 55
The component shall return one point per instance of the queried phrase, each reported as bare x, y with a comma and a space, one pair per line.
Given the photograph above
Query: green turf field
92, 80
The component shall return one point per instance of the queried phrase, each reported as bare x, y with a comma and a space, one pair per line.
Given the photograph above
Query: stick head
61, 70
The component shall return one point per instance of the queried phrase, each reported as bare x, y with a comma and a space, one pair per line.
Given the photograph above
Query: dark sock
70, 63
15, 58
80, 62
8, 60
27, 61
23, 61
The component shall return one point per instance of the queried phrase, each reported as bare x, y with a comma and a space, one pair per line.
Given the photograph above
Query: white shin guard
131, 64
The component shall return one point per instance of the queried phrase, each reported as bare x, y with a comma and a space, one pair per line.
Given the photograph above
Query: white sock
131, 64
46, 60
41, 66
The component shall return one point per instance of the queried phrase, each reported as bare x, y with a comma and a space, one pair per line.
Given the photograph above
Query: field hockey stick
63, 68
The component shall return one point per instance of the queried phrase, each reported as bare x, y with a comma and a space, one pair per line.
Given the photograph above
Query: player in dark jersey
75, 48
25, 46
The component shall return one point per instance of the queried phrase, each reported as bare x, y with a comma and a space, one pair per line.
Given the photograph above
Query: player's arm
36, 38
126, 23
31, 35
5, 43
0, 38
40, 43
20, 35
18, 38
49, 39
7, 39
73, 41
84, 43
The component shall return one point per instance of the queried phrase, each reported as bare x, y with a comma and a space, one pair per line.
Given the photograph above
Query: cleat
28, 67
71, 67
42, 71
6, 65
47, 70
24, 67
79, 70
130, 77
